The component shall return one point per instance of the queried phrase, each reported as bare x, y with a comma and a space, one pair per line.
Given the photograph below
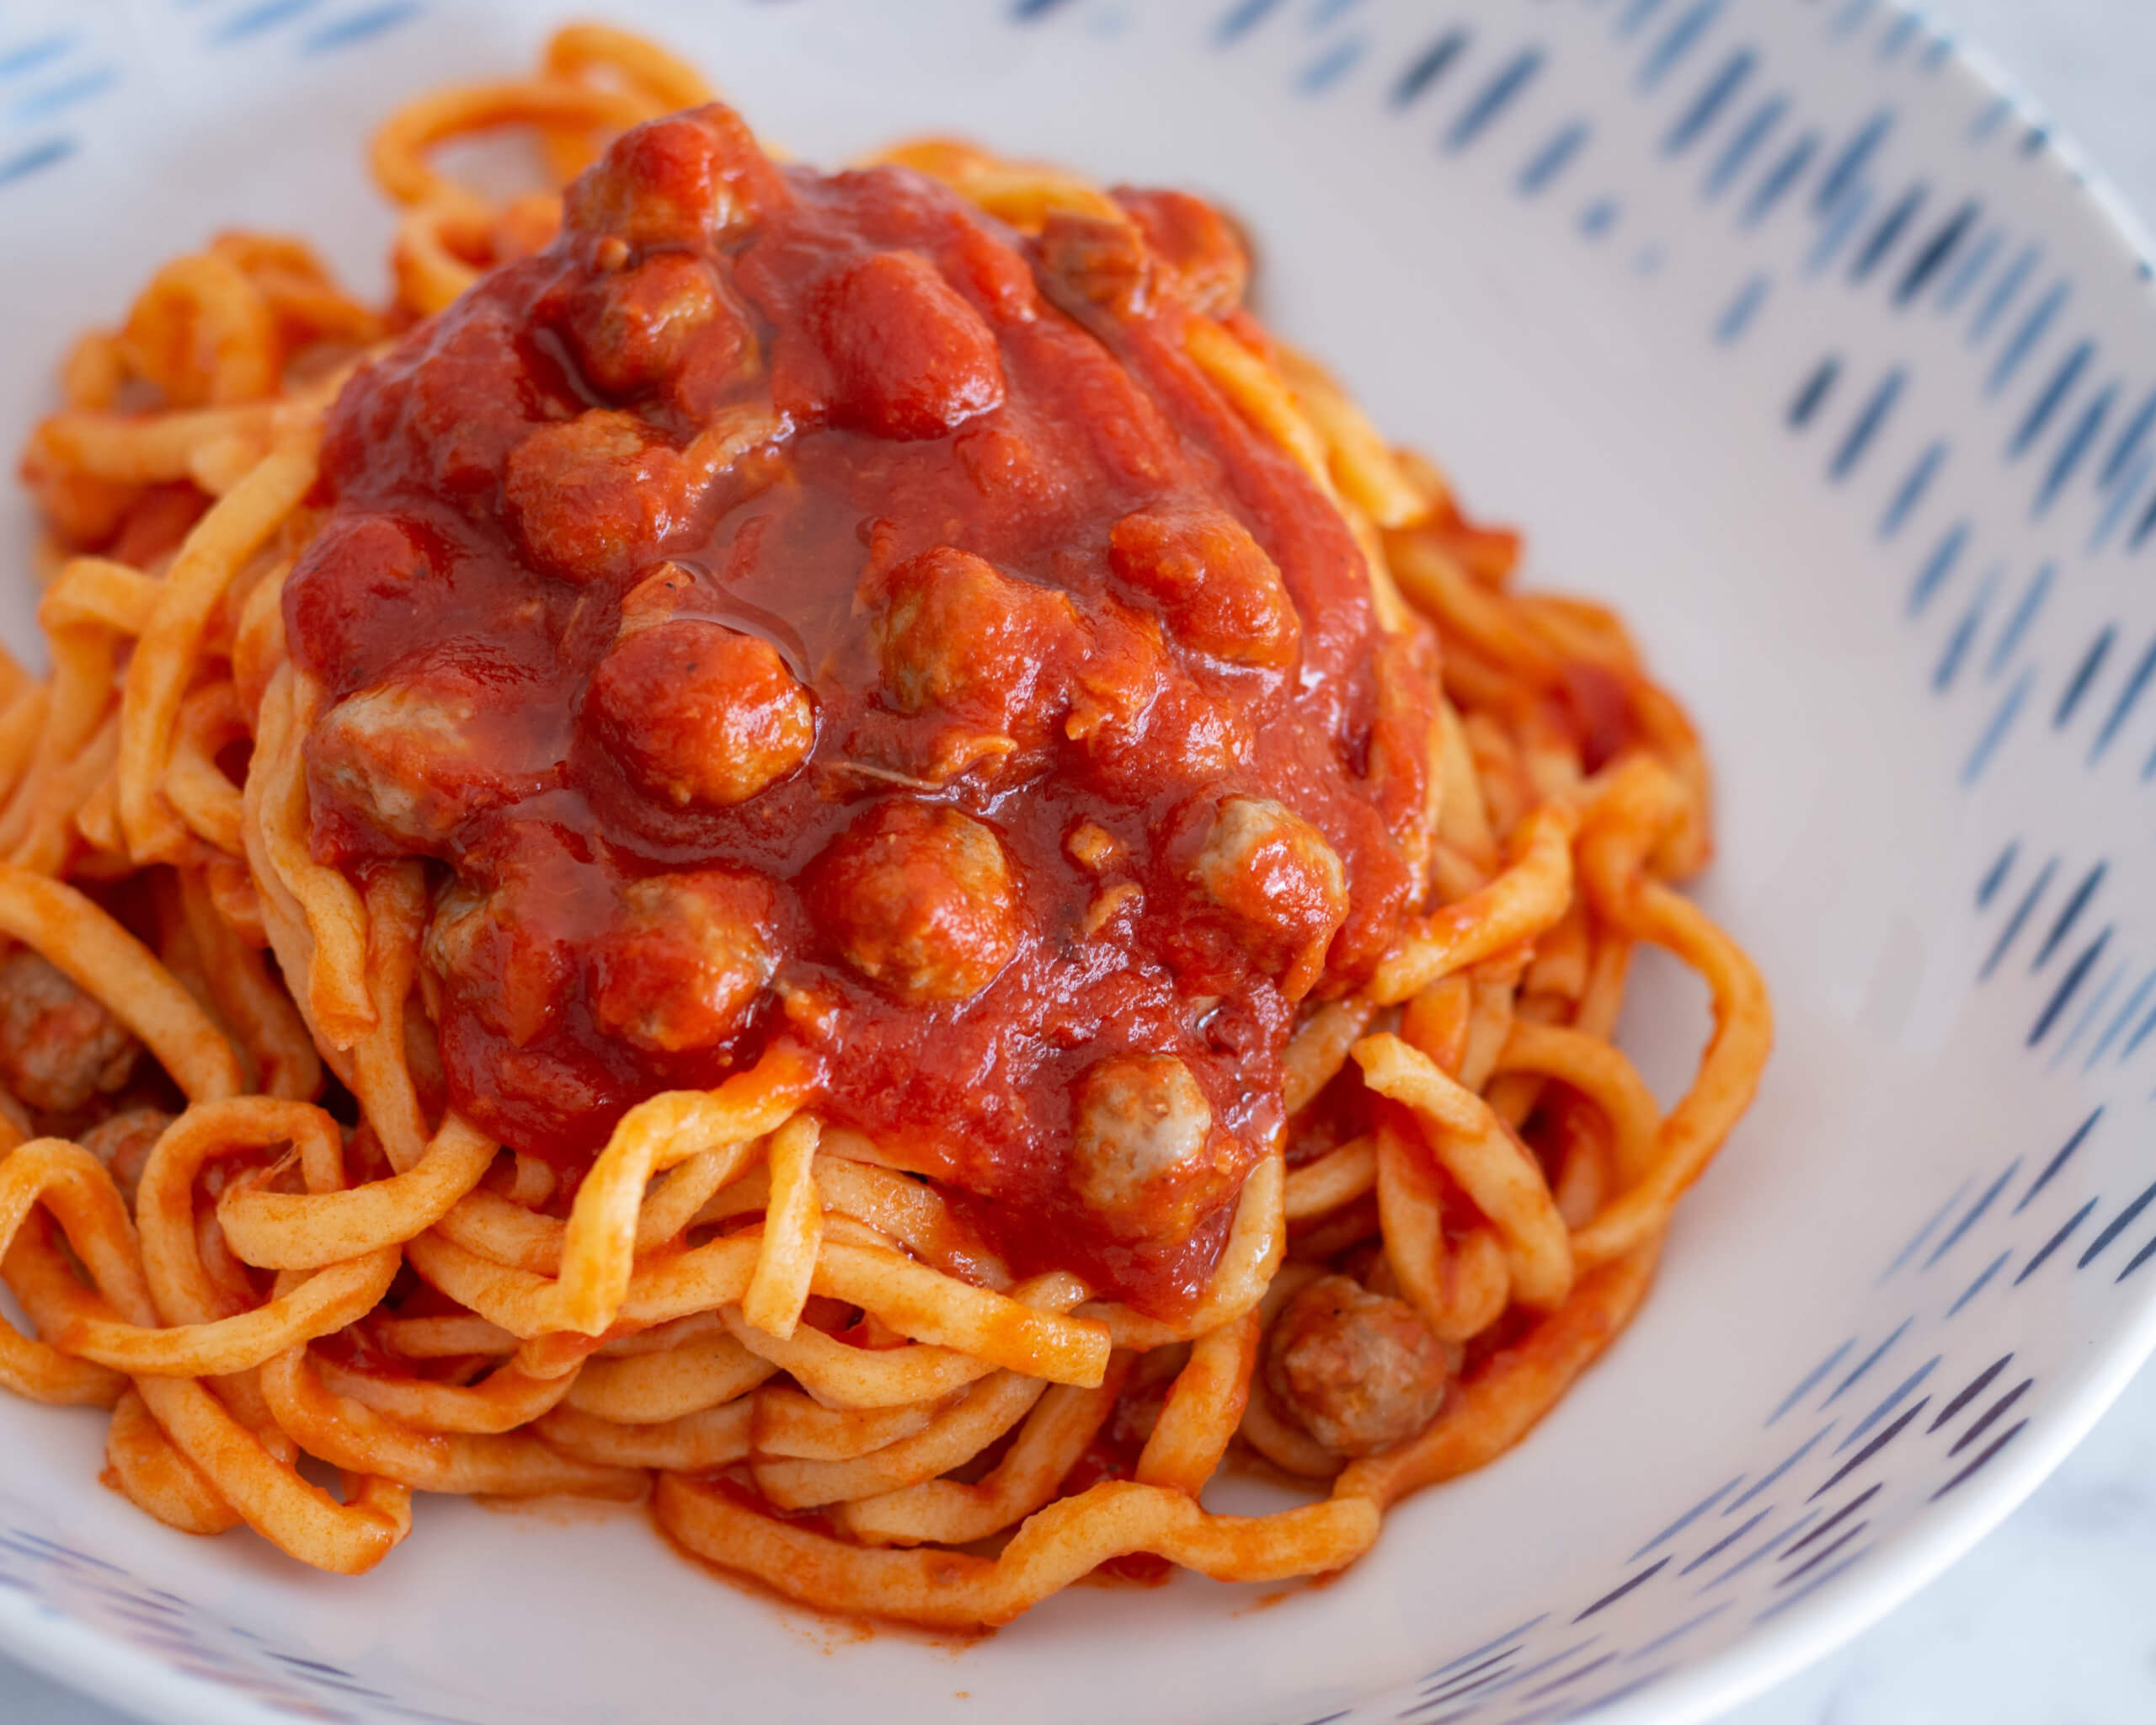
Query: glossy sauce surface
801, 607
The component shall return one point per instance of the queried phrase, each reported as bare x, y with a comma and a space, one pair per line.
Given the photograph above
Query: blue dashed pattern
1909, 1406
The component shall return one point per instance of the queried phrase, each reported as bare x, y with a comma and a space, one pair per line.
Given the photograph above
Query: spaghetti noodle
832, 849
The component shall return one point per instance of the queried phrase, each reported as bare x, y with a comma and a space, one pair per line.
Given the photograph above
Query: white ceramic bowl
1775, 325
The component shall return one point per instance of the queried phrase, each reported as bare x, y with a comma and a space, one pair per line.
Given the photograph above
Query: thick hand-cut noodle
742, 1309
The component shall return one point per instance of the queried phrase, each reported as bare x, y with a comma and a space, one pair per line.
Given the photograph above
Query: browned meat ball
920, 900
1357, 1370
123, 1144
58, 1047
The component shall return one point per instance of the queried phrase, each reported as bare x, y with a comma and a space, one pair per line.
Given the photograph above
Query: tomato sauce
802, 606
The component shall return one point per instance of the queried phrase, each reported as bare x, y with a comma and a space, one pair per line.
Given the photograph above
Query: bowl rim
109, 1669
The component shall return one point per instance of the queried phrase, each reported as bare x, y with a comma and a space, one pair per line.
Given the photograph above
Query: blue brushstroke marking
2140, 1035
1707, 107
1884, 236
2075, 446
1429, 67
2069, 914
32, 55
1938, 567
1851, 162
2002, 721
2134, 1002
1598, 217
1725, 1542
1958, 643
2069, 985
2034, 140
1936, 53
1241, 19
1766, 1550
2065, 1233
1993, 116
1646, 1650
1975, 1213
1982, 1282
2024, 613
2085, 674
1966, 272
1897, 36
1911, 491
1687, 1519
2138, 1259
2002, 294
2143, 527
1862, 1366
1967, 1393
1783, 174
1736, 316
46, 103
1770, 1479
2048, 399
257, 18
2025, 339
1330, 66
1677, 41
1636, 14
1487, 1646
1852, 16
1867, 425
1932, 257
1622, 1589
2094, 1004
25, 162
1894, 1399
1811, 1380
1813, 393
1835, 231
1741, 147
1995, 876
1494, 98
1546, 163
2123, 493
2117, 1226
1026, 11
2131, 436
1328, 12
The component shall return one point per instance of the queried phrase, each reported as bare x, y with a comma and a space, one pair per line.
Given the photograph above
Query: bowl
1779, 327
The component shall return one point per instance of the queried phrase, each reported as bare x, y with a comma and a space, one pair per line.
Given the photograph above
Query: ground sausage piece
684, 180
418, 758
955, 633
590, 496
920, 900
1217, 592
1278, 881
123, 1144
648, 326
909, 357
58, 1047
1140, 1148
1197, 241
688, 957
700, 713
1357, 1370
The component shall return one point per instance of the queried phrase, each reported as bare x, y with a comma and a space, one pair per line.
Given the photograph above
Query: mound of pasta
832, 850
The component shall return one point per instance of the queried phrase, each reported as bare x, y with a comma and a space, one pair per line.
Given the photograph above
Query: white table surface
2053, 1620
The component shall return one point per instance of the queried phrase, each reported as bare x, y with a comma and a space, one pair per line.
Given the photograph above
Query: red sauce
802, 606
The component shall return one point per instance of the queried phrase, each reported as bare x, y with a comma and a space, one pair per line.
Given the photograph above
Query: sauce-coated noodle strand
304, 876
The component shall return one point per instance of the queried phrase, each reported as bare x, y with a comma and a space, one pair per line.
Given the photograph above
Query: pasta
361, 1104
